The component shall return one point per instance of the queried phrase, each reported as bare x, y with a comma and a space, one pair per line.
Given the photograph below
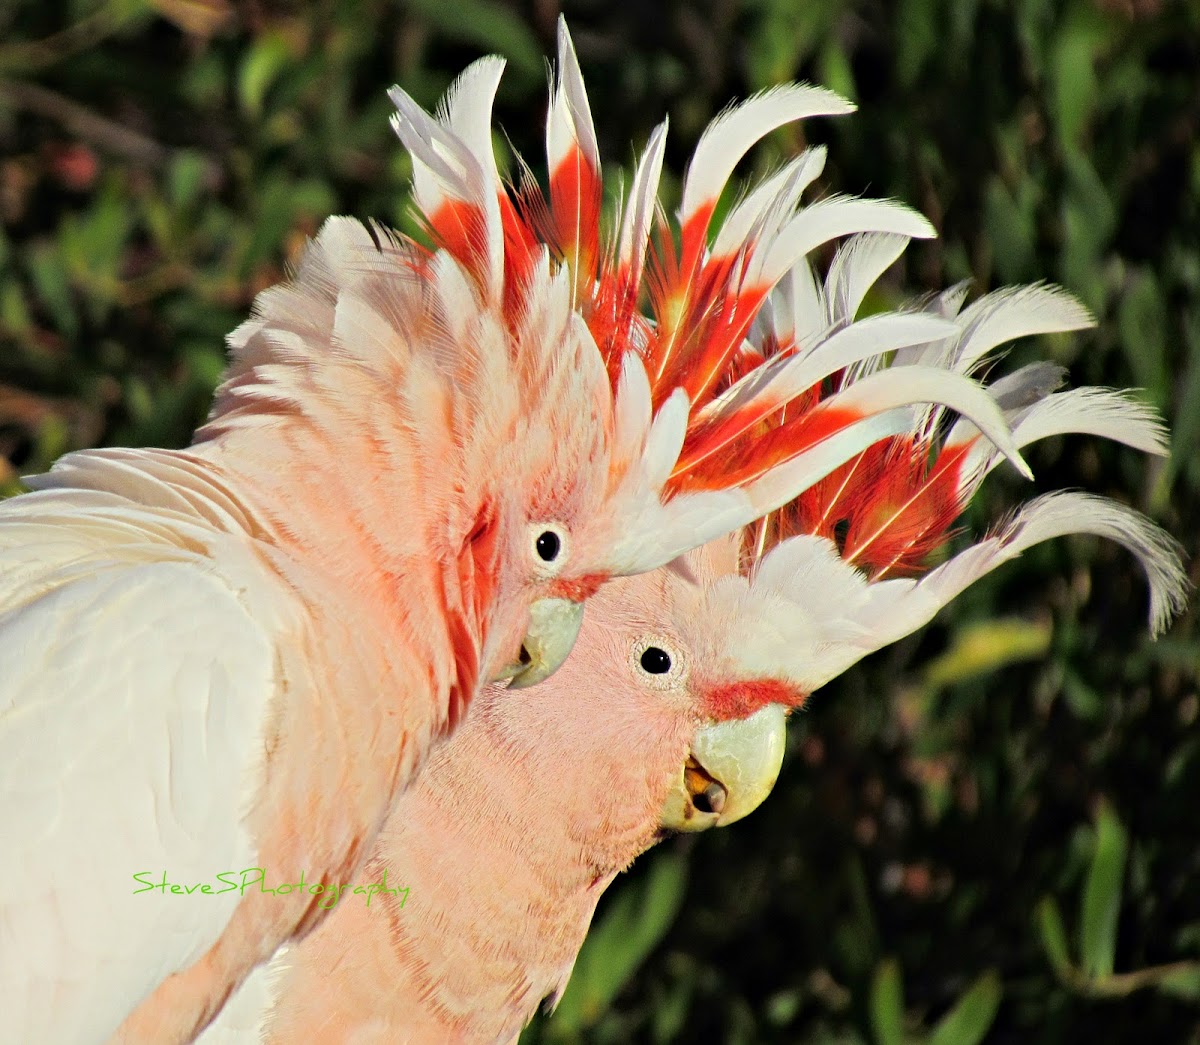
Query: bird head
744, 631
614, 349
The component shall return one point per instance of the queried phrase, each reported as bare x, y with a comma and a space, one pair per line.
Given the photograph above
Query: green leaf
918, 35
1034, 22
887, 1004
786, 34
1143, 324
1185, 426
93, 245
1183, 983
637, 918
261, 67
1011, 230
973, 1014
14, 313
984, 646
488, 24
1074, 64
1102, 896
1089, 219
313, 198
50, 280
276, 211
1053, 935
186, 177
835, 70
1083, 700
671, 1009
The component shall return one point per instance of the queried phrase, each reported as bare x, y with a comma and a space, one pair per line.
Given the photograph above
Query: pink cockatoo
421, 462
669, 714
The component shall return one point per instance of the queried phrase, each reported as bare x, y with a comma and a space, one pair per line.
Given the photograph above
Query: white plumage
150, 768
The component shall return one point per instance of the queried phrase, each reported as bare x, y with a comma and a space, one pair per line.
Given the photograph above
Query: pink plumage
529, 811
419, 463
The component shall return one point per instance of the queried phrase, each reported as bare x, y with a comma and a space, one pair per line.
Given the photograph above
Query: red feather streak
575, 196
744, 459
461, 229
739, 700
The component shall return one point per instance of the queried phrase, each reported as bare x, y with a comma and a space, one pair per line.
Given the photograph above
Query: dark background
990, 829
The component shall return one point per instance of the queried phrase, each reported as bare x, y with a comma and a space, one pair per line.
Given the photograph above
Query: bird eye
659, 662
548, 545
655, 661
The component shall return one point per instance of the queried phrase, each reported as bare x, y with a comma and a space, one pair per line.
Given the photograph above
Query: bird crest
865, 535
669, 304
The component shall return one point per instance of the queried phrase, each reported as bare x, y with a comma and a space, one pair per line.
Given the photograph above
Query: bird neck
505, 844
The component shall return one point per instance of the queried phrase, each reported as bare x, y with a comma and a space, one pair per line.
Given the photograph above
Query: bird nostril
524, 658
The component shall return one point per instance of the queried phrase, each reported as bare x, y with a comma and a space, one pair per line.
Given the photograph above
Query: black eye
548, 546
656, 661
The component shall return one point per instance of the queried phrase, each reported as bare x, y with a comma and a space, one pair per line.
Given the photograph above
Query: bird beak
730, 770
553, 627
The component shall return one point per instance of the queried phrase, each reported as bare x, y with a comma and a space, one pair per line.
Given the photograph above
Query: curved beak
730, 770
553, 628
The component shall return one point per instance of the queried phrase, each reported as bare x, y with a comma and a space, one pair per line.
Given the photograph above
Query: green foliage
887, 1004
1102, 896
1100, 905
985, 833
967, 1022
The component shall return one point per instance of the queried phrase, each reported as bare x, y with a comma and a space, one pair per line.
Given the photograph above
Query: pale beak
553, 628
730, 770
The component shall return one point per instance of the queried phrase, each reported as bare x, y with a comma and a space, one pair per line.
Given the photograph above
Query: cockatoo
421, 461
669, 714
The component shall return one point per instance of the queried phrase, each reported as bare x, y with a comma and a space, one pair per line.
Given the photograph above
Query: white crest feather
732, 134
830, 219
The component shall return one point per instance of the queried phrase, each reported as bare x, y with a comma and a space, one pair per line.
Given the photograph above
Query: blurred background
988, 832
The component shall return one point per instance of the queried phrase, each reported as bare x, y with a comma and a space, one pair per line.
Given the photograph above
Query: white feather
1012, 312
1052, 515
919, 384
856, 266
665, 439
468, 105
1104, 412
569, 122
632, 410
662, 532
778, 383
806, 305
781, 191
731, 135
829, 219
639, 207
859, 616
459, 297
153, 766
787, 481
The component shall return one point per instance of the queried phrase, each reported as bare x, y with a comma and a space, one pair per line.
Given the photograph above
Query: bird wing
133, 696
